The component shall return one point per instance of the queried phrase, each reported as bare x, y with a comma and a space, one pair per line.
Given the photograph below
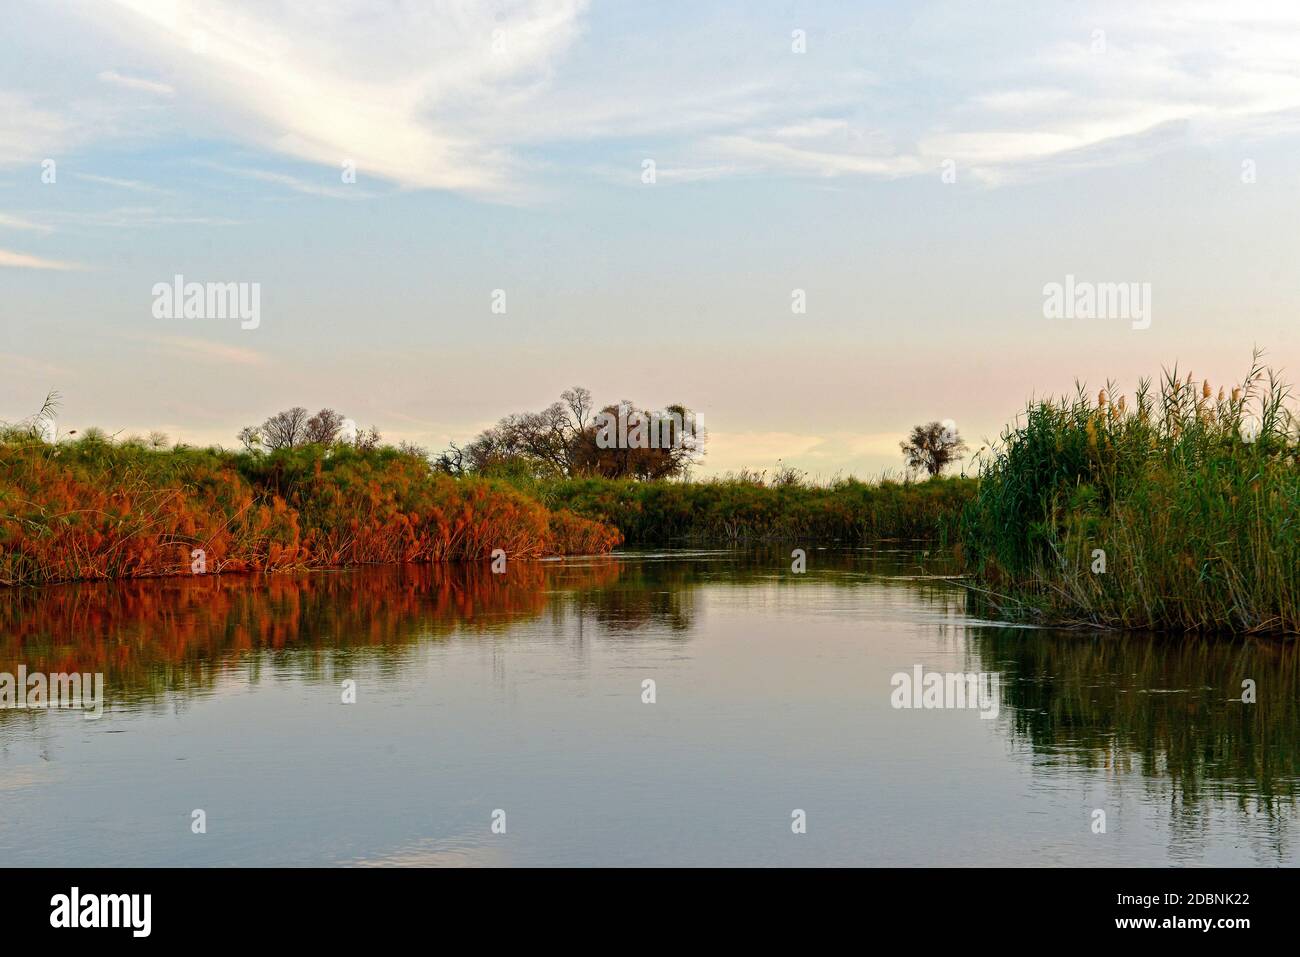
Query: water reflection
172, 635
151, 638
803, 692
1168, 708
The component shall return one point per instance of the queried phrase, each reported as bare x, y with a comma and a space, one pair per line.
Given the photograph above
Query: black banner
922, 906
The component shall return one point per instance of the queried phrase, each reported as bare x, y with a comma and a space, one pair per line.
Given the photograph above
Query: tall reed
1179, 511
95, 509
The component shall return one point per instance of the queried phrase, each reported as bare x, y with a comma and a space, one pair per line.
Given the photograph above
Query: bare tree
452, 461
323, 427
932, 447
579, 404
285, 430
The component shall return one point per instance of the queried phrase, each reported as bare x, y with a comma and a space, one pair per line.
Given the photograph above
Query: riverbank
93, 509
1177, 512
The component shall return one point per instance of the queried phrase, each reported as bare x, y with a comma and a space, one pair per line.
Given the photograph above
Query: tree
250, 438
659, 444
285, 430
565, 439
932, 447
323, 427
367, 440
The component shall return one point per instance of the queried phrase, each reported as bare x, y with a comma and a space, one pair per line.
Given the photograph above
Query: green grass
1193, 497
752, 509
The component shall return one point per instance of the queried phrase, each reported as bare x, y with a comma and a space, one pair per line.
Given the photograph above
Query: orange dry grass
79, 513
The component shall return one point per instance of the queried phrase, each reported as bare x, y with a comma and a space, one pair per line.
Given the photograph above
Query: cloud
34, 368
767, 152
29, 133
737, 450
17, 222
343, 191
136, 83
137, 217
131, 184
825, 454
329, 82
13, 260
1158, 76
471, 97
206, 350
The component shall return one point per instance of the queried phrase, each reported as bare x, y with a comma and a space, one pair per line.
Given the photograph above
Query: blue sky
502, 146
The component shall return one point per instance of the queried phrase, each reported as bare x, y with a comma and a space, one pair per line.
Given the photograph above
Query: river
647, 708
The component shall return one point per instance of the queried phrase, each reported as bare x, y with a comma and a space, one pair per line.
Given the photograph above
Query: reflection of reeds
95, 510
1170, 708
171, 635
1193, 498
175, 635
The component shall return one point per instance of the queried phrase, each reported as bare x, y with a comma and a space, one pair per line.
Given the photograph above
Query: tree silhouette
932, 447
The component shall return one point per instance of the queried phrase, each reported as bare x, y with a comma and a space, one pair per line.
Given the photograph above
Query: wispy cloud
131, 184
17, 222
206, 350
306, 80
136, 83
35, 368
13, 260
811, 155
137, 217
469, 97
29, 132
298, 185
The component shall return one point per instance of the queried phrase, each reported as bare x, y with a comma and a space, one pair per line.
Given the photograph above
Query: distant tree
323, 427
250, 438
565, 439
451, 461
413, 450
670, 443
367, 440
285, 430
932, 447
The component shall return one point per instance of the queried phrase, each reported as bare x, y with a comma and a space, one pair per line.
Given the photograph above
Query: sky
454, 210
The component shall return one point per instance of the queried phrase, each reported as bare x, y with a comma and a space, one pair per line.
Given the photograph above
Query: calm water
523, 692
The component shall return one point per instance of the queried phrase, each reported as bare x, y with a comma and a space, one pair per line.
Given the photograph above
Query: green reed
753, 507
1192, 496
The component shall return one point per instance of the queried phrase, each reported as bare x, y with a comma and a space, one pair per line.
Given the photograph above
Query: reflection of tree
662, 591
646, 593
1171, 708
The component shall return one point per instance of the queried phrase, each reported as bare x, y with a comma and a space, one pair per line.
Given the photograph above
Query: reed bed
94, 509
1179, 511
755, 508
